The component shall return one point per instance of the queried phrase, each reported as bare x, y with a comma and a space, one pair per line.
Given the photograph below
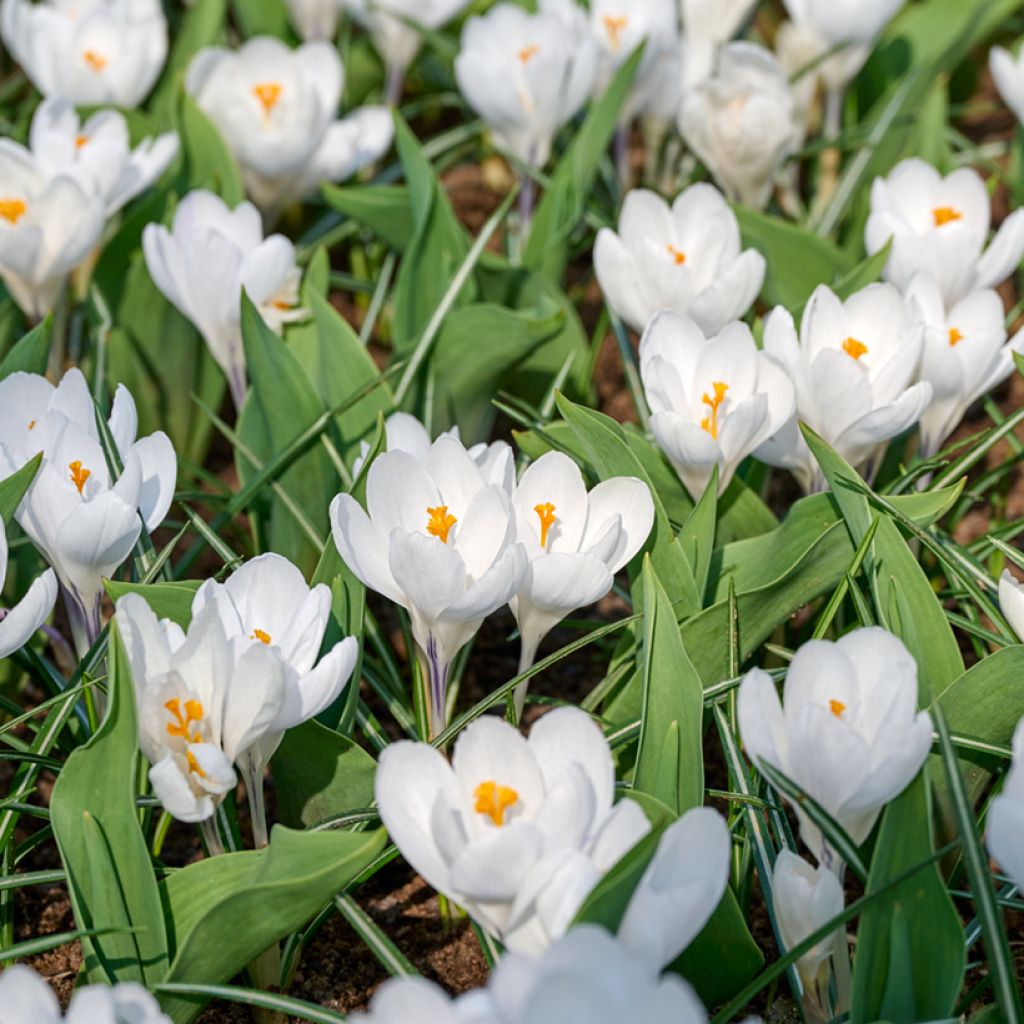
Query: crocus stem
434, 677
237, 384
527, 197
211, 837
841, 966
395, 85
265, 972
527, 656
84, 619
622, 156
831, 157
252, 773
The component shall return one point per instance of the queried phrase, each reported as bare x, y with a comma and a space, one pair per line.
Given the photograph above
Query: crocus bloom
713, 400
527, 74
439, 540
91, 52
852, 365
516, 831
965, 354
805, 899
741, 122
848, 732
315, 19
267, 601
1008, 74
48, 226
1005, 831
25, 998
202, 701
686, 258
940, 226
411, 999
277, 111
98, 153
708, 25
1011, 602
202, 264
576, 542
83, 521
18, 624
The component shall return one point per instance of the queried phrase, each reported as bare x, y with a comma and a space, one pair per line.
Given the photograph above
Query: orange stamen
678, 255
946, 215
269, 95
615, 27
527, 53
12, 210
440, 523
259, 634
78, 475
955, 337
494, 800
546, 512
710, 423
837, 707
854, 348
96, 61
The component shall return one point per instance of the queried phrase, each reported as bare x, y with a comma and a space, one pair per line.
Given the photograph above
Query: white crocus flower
91, 52
203, 699
713, 400
965, 355
19, 624
516, 831
1008, 74
940, 226
395, 26
847, 732
1011, 602
98, 153
439, 540
25, 998
805, 899
708, 25
277, 111
84, 522
685, 258
1005, 828
203, 263
741, 122
852, 365
48, 226
576, 542
267, 601
315, 19
414, 1000
527, 74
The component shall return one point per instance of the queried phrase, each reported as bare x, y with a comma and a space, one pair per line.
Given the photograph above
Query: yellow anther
837, 707
955, 337
96, 61
269, 95
181, 722
81, 141
193, 764
494, 800
946, 215
615, 27
527, 53
440, 523
259, 634
710, 423
677, 254
32, 425
12, 210
546, 512
78, 475
854, 348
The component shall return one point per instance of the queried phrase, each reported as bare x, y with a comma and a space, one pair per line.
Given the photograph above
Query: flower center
854, 348
180, 724
494, 800
677, 254
269, 95
259, 634
78, 474
955, 337
12, 210
615, 27
546, 513
32, 425
946, 215
527, 53
81, 140
440, 523
95, 61
837, 707
710, 422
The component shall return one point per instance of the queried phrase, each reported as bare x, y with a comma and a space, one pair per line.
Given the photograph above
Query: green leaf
31, 353
262, 18
225, 911
208, 161
110, 877
14, 487
201, 26
168, 600
669, 763
385, 209
697, 537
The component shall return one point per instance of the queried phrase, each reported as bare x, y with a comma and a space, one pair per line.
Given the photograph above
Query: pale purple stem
395, 85
437, 682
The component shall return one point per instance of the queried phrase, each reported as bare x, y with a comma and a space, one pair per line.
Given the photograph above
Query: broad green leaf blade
31, 353
14, 487
697, 537
168, 600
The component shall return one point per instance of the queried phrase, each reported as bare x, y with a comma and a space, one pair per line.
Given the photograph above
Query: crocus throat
96, 61
546, 514
12, 210
269, 95
527, 53
710, 423
837, 707
81, 140
440, 523
615, 27
259, 634
946, 215
181, 723
494, 800
677, 254
79, 475
955, 337
854, 348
